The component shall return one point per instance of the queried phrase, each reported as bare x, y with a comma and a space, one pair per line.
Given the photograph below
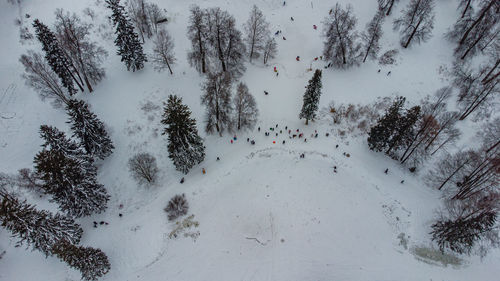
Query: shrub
177, 207
143, 168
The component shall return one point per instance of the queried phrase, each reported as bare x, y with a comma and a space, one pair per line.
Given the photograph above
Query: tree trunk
412, 34
202, 52
485, 79
466, 34
466, 8
390, 8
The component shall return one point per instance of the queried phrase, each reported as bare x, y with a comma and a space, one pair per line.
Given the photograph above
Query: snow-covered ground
264, 212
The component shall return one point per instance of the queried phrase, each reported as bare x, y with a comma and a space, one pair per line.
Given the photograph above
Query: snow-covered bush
177, 207
143, 168
388, 57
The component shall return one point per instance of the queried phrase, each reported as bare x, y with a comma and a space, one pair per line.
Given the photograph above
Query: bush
177, 207
388, 57
143, 168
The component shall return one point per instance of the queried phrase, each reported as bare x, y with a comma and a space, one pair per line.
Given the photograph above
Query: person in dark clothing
386, 171
258, 129
252, 142
248, 139
182, 180
291, 18
283, 142
218, 159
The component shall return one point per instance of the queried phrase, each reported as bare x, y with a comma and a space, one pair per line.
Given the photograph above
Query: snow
264, 213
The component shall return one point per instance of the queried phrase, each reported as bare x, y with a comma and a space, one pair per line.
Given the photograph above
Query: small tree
270, 50
246, 108
92, 263
177, 207
416, 22
143, 168
185, 146
217, 99
163, 51
127, 41
311, 97
38, 229
381, 133
89, 129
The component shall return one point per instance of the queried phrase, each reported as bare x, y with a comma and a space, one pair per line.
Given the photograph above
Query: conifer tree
38, 229
185, 146
55, 56
381, 133
311, 98
127, 41
89, 129
69, 175
92, 263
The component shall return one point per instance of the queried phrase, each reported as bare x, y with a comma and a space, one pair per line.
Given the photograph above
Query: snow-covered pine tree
416, 22
341, 47
69, 175
185, 146
39, 230
270, 49
88, 129
127, 41
311, 97
55, 56
257, 31
245, 107
217, 99
405, 130
381, 133
91, 262
163, 51
371, 37
197, 33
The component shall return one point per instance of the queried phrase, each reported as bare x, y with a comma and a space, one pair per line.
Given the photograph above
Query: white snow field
264, 213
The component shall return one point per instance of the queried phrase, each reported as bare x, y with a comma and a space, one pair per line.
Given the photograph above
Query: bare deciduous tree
217, 99
163, 51
386, 6
416, 22
39, 75
197, 33
270, 50
341, 47
372, 36
246, 108
257, 31
86, 56
143, 168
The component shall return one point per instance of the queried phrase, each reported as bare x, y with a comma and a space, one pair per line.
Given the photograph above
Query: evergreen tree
416, 22
55, 56
460, 235
127, 41
217, 99
185, 146
89, 129
38, 229
92, 263
381, 133
311, 97
246, 108
69, 175
405, 130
